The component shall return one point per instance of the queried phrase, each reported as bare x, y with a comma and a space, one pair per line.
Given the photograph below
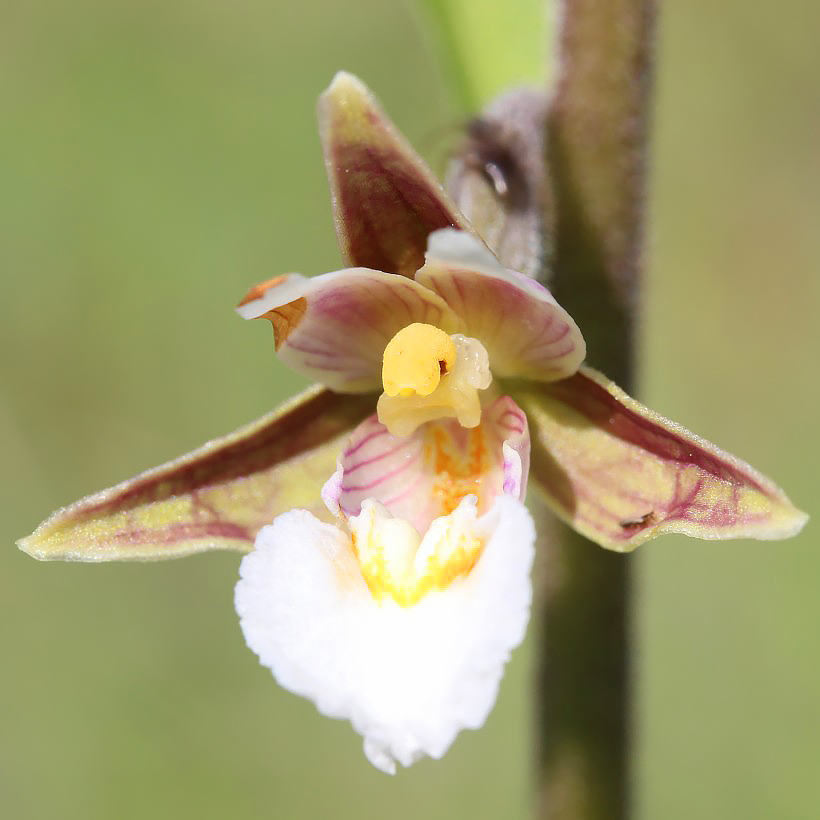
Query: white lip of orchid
401, 615
409, 678
428, 375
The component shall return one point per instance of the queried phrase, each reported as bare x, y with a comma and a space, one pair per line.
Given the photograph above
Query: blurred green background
156, 159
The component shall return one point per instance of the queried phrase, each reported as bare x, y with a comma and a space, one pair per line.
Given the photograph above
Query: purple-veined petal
426, 474
386, 201
333, 328
526, 332
217, 497
621, 474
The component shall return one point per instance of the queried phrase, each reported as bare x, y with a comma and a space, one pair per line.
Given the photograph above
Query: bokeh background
156, 159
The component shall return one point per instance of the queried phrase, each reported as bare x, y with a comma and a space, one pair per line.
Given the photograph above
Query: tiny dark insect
488, 152
634, 523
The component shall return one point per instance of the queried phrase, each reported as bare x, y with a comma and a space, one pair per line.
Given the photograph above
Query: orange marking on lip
457, 477
258, 291
285, 319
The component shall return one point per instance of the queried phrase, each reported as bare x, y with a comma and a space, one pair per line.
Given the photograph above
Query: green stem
596, 151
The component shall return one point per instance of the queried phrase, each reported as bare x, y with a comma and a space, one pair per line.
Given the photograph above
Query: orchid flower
389, 548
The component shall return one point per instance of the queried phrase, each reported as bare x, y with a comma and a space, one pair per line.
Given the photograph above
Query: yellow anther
415, 360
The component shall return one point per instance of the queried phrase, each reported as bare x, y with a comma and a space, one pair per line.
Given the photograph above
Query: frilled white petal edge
526, 332
408, 678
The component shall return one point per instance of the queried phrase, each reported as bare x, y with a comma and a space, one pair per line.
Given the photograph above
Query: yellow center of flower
415, 360
396, 562
428, 375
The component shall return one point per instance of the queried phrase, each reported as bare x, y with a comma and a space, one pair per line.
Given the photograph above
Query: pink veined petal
386, 201
621, 474
334, 328
526, 332
426, 474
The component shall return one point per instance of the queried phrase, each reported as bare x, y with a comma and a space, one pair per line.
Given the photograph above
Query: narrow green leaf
488, 47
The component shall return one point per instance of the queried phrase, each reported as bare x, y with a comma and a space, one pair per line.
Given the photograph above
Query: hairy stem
596, 154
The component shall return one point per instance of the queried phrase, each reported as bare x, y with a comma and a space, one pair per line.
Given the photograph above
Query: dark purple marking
357, 488
385, 205
175, 533
308, 425
602, 409
380, 456
369, 437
